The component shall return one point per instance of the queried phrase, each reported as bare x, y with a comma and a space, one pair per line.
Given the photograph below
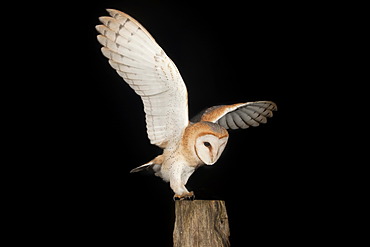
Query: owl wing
238, 116
146, 68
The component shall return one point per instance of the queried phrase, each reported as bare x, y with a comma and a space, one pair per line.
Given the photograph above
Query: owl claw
186, 196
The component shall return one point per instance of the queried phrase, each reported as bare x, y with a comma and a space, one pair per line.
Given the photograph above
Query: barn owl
146, 68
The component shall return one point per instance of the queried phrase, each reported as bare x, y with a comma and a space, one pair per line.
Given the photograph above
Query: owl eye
207, 144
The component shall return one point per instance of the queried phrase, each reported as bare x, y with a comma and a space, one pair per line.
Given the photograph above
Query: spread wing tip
241, 115
270, 105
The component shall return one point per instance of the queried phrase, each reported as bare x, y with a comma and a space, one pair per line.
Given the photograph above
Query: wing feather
146, 68
239, 121
230, 122
222, 122
253, 114
240, 116
141, 47
247, 119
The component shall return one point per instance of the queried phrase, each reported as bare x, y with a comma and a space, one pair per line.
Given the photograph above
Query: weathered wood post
201, 223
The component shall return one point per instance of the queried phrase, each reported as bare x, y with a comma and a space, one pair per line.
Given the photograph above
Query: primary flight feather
146, 68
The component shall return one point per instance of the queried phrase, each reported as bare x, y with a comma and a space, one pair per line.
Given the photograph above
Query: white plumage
146, 68
142, 63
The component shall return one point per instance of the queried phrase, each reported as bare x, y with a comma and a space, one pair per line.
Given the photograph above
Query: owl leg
178, 178
178, 187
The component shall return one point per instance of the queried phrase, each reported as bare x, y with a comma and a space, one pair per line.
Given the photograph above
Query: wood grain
201, 223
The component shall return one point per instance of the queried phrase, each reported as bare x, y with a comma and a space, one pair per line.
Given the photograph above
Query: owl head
207, 141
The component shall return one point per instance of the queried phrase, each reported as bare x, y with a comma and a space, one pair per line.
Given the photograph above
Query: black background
226, 53
74, 129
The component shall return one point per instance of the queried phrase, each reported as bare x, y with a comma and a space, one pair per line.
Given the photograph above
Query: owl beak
212, 160
216, 153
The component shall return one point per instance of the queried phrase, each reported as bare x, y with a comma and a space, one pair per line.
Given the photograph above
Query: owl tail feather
142, 167
156, 161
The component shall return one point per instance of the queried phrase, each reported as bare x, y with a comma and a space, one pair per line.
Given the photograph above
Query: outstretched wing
238, 116
142, 63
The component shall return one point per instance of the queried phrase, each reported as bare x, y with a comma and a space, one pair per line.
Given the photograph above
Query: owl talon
186, 196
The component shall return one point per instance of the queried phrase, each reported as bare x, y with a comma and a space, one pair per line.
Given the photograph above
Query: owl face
205, 141
209, 148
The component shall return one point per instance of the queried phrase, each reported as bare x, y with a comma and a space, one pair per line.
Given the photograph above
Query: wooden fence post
201, 223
